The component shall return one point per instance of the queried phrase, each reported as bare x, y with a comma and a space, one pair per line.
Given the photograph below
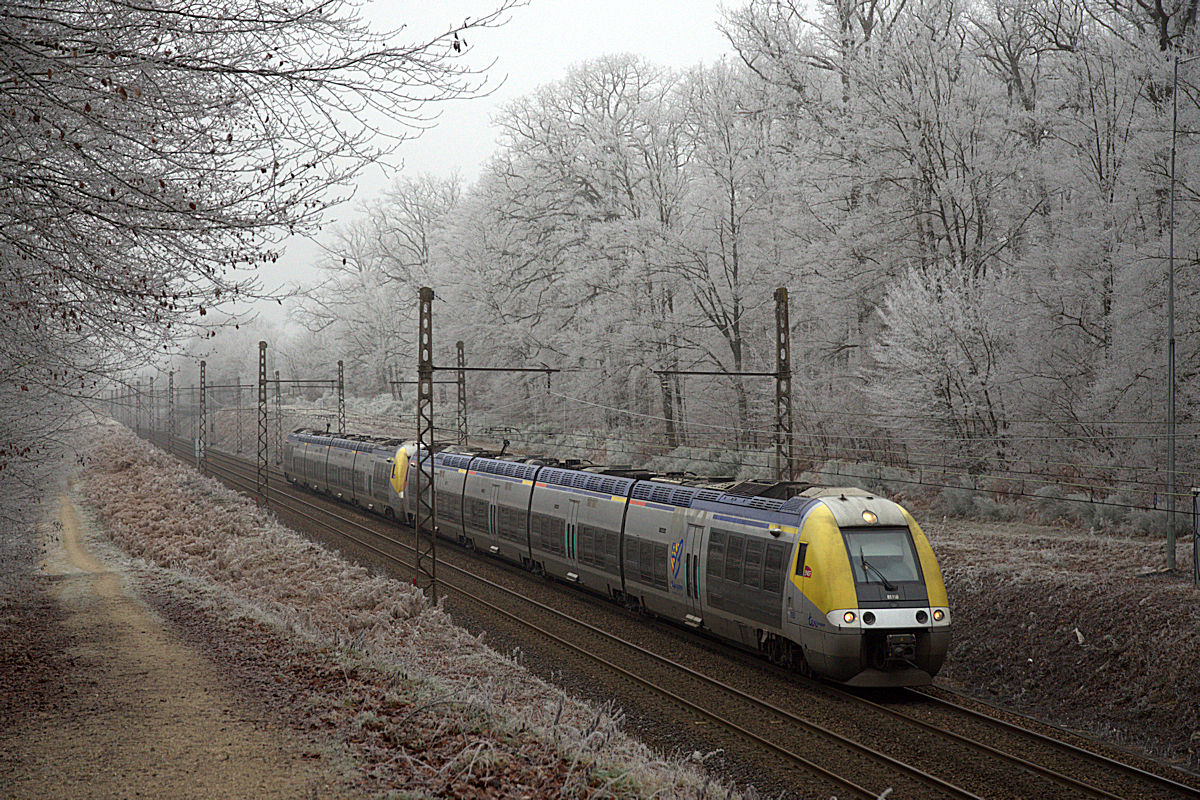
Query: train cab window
800, 559
881, 554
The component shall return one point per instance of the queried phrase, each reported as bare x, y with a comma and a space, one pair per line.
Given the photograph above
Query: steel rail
1046, 772
1074, 750
913, 772
1103, 761
801, 760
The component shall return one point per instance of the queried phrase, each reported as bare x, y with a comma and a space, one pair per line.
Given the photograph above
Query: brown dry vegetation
422, 705
1076, 628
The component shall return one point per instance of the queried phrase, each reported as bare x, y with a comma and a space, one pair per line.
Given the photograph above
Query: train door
572, 529
691, 571
798, 620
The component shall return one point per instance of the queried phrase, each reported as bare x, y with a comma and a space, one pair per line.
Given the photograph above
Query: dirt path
137, 714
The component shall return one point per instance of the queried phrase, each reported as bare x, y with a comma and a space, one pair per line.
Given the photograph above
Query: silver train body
831, 581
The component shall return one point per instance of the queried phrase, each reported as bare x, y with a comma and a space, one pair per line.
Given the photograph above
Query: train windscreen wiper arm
882, 578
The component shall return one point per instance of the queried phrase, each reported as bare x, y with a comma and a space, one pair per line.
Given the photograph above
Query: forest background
970, 202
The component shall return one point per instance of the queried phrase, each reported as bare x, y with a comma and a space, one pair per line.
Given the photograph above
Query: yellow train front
866, 603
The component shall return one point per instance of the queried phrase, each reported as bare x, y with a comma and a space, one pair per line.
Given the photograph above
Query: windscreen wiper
882, 578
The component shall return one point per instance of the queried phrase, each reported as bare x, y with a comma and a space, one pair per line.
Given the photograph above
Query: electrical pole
785, 462
170, 407
142, 416
278, 423
341, 399
202, 438
462, 394
237, 384
1196, 535
426, 503
260, 478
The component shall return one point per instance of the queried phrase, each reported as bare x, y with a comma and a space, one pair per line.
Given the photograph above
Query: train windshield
881, 555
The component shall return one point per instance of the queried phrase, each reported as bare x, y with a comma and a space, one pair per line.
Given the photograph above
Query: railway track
969, 766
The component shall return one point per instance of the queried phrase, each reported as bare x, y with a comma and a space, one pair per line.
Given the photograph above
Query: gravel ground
1077, 628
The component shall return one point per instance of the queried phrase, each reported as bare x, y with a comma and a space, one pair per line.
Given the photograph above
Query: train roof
346, 441
749, 498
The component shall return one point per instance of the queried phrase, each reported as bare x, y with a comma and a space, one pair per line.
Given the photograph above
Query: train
834, 582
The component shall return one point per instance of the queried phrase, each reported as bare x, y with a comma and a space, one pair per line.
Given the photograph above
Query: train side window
647, 562
800, 560
773, 568
716, 553
752, 576
660, 566
733, 558
586, 546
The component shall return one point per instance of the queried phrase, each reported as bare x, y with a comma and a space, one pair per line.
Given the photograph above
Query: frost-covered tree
153, 154
372, 269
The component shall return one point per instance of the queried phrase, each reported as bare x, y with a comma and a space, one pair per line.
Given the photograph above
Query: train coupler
901, 647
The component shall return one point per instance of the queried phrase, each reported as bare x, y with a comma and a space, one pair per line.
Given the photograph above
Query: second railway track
794, 725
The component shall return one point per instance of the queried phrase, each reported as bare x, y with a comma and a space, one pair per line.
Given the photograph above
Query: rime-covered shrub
834, 473
988, 509
699, 461
155, 509
953, 502
1050, 504
881, 479
757, 465
1111, 515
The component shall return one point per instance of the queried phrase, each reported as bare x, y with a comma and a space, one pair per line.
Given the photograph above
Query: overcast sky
541, 41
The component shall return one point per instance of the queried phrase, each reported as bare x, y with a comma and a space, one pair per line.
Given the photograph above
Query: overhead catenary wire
934, 484
938, 438
910, 458
907, 454
1031, 477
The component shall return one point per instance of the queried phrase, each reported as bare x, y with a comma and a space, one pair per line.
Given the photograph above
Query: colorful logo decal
807, 571
676, 559
675, 563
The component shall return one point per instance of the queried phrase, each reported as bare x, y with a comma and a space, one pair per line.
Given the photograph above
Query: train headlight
870, 518
849, 616
922, 617
938, 615
868, 618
